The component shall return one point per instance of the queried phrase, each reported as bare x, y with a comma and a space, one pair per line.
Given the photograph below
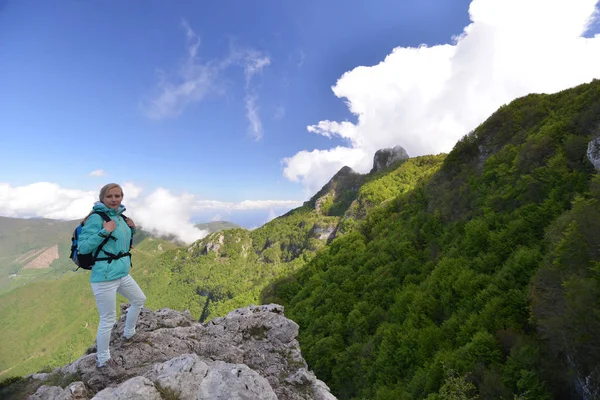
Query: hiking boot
138, 337
108, 366
126, 342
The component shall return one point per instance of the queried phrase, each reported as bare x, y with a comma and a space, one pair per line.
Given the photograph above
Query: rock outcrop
593, 153
385, 157
252, 353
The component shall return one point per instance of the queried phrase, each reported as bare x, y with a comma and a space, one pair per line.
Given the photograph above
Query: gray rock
51, 393
180, 374
593, 153
252, 353
138, 388
323, 232
78, 391
385, 157
40, 376
234, 382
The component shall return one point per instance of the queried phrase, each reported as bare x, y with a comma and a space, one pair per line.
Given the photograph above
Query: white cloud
313, 169
98, 172
132, 190
253, 116
254, 63
159, 211
427, 98
44, 199
194, 80
163, 212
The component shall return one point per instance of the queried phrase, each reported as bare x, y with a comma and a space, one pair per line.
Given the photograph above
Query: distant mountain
216, 226
32, 249
38, 248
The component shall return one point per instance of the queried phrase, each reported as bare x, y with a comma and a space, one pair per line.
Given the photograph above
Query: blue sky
252, 106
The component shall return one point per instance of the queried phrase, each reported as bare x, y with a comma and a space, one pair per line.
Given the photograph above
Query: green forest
481, 282
471, 275
468, 275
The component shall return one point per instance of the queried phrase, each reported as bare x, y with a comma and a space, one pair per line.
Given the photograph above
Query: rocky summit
252, 353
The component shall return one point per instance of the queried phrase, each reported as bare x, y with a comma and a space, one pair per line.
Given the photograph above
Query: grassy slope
20, 239
51, 323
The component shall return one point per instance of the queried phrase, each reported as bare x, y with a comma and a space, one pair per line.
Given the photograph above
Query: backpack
87, 261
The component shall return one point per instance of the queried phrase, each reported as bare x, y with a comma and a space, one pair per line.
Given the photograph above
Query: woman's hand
130, 223
110, 226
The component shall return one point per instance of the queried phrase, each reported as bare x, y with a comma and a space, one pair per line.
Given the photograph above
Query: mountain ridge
472, 283
467, 275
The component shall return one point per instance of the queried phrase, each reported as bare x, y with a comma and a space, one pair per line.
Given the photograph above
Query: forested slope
483, 281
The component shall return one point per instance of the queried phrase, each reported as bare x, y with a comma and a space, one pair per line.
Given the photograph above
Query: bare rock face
323, 231
385, 157
252, 353
593, 153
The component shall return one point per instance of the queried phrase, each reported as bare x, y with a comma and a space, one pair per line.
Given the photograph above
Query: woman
111, 276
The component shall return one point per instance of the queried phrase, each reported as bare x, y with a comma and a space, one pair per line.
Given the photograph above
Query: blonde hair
108, 187
103, 192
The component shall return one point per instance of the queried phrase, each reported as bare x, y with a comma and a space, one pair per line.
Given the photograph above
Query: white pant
106, 301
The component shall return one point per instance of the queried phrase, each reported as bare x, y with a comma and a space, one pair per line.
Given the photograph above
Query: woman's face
113, 198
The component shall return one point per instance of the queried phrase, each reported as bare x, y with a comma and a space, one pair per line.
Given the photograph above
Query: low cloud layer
159, 211
427, 98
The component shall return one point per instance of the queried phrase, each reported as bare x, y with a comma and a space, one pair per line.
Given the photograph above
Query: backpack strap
104, 215
125, 218
106, 218
111, 257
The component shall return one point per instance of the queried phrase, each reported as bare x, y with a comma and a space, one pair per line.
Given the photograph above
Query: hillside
216, 226
234, 268
469, 275
37, 249
482, 281
51, 323
23, 243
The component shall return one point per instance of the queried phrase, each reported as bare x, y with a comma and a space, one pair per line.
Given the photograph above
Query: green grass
50, 323
46, 324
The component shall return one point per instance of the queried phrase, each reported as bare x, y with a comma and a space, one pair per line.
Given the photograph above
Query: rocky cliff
252, 353
383, 158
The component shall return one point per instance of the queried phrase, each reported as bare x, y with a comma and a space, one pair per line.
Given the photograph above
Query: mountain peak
383, 158
338, 193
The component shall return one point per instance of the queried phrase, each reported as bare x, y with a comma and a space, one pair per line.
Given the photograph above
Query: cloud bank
159, 211
427, 98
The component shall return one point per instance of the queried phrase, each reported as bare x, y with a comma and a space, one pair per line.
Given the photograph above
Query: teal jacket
92, 235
